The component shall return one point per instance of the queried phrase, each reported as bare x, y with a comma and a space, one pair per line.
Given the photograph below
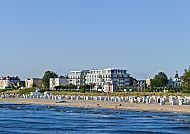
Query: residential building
142, 85
78, 77
176, 81
109, 87
133, 84
22, 84
9, 82
33, 82
148, 82
58, 82
101, 79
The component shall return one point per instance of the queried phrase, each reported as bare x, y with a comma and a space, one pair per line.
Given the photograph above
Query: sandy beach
104, 104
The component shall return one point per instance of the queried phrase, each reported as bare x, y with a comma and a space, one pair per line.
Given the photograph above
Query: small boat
60, 101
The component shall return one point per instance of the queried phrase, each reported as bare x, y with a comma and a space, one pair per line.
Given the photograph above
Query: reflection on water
38, 119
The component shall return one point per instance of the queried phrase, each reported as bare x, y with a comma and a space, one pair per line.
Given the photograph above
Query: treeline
160, 83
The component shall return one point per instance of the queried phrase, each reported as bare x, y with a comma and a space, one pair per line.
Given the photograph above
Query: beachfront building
22, 84
107, 80
141, 85
9, 82
175, 82
110, 87
33, 82
115, 79
78, 77
61, 81
96, 79
133, 84
148, 82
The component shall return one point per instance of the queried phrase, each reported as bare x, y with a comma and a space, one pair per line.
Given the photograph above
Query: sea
44, 119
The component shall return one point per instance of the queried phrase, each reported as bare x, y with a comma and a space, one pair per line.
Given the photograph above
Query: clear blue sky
143, 36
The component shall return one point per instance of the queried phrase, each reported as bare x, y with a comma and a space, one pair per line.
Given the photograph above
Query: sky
143, 37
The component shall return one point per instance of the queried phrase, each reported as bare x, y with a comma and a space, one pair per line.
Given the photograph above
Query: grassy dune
27, 91
121, 93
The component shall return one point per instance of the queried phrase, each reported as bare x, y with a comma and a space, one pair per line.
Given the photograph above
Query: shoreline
103, 104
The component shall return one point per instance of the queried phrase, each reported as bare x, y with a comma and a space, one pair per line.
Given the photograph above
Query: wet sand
104, 104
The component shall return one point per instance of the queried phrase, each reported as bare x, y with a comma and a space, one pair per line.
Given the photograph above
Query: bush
185, 90
4, 90
82, 90
26, 91
62, 87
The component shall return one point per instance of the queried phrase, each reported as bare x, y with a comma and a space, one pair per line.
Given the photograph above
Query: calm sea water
43, 119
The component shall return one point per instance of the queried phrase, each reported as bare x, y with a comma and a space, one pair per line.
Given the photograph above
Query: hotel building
107, 80
78, 77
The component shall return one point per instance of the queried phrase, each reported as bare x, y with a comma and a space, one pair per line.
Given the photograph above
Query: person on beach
98, 105
115, 106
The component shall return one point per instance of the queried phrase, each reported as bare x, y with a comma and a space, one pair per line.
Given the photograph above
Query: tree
71, 86
34, 85
66, 87
186, 80
160, 80
47, 76
87, 87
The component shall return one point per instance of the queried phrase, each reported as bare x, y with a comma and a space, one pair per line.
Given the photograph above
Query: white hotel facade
78, 77
107, 80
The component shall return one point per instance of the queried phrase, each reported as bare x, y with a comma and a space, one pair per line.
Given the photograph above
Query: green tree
47, 76
34, 85
87, 87
71, 86
171, 89
186, 80
160, 80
